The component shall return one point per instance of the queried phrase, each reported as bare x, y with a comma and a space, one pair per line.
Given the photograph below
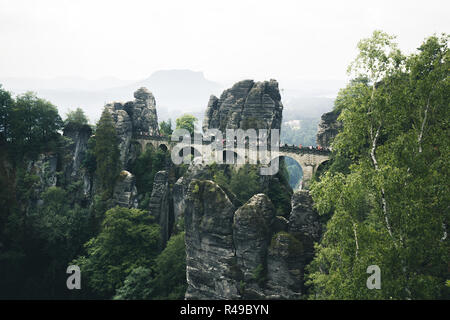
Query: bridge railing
283, 147
311, 149
144, 136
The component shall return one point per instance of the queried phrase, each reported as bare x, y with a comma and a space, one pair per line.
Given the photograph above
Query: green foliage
59, 223
136, 285
304, 134
63, 227
41, 229
76, 118
41, 243
90, 162
146, 166
29, 124
245, 182
106, 152
166, 279
128, 239
170, 270
279, 190
186, 122
165, 128
260, 275
389, 194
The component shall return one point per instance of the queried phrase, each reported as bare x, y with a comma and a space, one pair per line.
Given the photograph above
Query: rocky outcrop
159, 205
143, 112
246, 252
247, 104
125, 191
210, 255
79, 136
291, 251
133, 117
303, 221
284, 270
328, 128
124, 130
180, 188
251, 230
75, 155
45, 169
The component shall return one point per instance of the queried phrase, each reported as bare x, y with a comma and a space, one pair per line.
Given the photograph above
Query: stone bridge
309, 159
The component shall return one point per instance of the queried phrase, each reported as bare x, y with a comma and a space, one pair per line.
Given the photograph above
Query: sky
227, 40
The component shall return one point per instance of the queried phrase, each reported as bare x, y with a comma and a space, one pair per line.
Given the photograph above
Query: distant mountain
176, 92
179, 91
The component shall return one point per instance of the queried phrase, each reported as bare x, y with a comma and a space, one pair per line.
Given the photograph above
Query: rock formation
180, 188
143, 112
75, 155
252, 230
125, 191
159, 205
124, 130
245, 105
290, 252
328, 128
133, 117
210, 255
303, 222
246, 252
44, 168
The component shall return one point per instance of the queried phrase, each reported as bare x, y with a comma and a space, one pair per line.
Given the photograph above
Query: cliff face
247, 104
75, 155
159, 205
44, 168
328, 128
125, 191
210, 255
239, 252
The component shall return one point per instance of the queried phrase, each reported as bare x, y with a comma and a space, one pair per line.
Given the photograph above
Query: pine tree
107, 152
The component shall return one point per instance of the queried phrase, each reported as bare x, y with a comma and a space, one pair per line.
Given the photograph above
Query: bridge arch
294, 168
309, 161
193, 151
322, 166
163, 147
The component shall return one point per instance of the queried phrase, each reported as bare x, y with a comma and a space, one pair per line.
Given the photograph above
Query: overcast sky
228, 40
